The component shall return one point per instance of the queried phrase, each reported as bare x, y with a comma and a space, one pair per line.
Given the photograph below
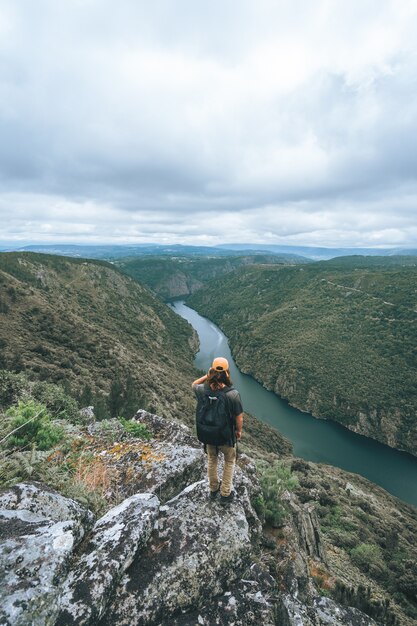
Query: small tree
132, 398
115, 400
86, 398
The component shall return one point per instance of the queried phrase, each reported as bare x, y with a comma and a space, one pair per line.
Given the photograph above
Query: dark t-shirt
233, 400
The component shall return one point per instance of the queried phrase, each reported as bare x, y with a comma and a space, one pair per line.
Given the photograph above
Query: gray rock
39, 530
167, 430
197, 548
110, 429
329, 613
321, 612
176, 467
307, 526
293, 612
114, 541
178, 456
48, 503
248, 602
301, 546
87, 413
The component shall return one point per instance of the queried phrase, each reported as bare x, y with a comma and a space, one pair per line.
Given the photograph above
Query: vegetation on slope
99, 334
45, 437
336, 338
173, 277
370, 542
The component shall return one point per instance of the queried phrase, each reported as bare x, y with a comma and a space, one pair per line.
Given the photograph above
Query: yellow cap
220, 364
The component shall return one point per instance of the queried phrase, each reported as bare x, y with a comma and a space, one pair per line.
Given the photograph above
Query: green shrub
367, 556
135, 429
342, 538
274, 480
33, 426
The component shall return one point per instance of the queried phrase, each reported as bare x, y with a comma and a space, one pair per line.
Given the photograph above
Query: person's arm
239, 425
199, 381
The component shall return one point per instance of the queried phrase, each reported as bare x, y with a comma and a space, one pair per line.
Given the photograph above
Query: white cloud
182, 121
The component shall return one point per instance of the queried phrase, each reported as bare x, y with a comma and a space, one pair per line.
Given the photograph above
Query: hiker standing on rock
219, 419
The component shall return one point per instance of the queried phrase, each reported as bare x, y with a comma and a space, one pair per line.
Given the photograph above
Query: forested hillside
101, 335
336, 338
174, 277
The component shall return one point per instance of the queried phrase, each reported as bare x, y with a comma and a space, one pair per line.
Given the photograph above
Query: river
321, 441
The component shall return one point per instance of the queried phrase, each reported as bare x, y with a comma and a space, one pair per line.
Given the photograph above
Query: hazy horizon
23, 244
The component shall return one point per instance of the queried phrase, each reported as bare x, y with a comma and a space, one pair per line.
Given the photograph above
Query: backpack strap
231, 420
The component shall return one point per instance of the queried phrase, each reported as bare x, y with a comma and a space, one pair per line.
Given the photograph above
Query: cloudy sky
185, 121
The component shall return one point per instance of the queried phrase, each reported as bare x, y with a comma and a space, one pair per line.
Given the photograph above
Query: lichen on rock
39, 530
112, 545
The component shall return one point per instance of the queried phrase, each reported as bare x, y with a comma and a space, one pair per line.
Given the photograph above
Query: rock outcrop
112, 545
197, 549
188, 561
39, 530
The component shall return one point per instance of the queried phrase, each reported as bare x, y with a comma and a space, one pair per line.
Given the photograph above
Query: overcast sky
198, 122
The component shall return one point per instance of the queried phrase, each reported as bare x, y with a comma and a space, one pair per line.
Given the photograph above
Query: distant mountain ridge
319, 253
135, 250
110, 251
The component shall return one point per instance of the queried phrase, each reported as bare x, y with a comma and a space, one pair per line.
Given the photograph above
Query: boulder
175, 467
307, 527
115, 539
40, 499
197, 549
39, 530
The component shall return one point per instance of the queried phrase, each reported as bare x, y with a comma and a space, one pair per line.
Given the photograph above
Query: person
218, 379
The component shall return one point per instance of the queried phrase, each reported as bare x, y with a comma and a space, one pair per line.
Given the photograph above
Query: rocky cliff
166, 554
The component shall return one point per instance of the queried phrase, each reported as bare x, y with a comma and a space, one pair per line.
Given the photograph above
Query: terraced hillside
85, 325
337, 338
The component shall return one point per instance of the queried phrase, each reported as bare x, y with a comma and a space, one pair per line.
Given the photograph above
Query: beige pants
229, 466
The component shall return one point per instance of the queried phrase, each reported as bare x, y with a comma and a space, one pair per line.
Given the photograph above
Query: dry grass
95, 475
321, 577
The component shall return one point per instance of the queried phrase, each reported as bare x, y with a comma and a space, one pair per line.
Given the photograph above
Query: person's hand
238, 434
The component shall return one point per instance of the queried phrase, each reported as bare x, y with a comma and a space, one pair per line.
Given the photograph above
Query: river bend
321, 441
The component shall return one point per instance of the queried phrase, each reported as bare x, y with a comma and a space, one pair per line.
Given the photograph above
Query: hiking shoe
214, 494
227, 499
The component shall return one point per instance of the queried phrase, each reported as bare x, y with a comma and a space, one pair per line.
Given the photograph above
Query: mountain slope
336, 340
90, 328
175, 277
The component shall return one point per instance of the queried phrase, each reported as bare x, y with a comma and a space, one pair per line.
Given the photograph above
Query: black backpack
214, 424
